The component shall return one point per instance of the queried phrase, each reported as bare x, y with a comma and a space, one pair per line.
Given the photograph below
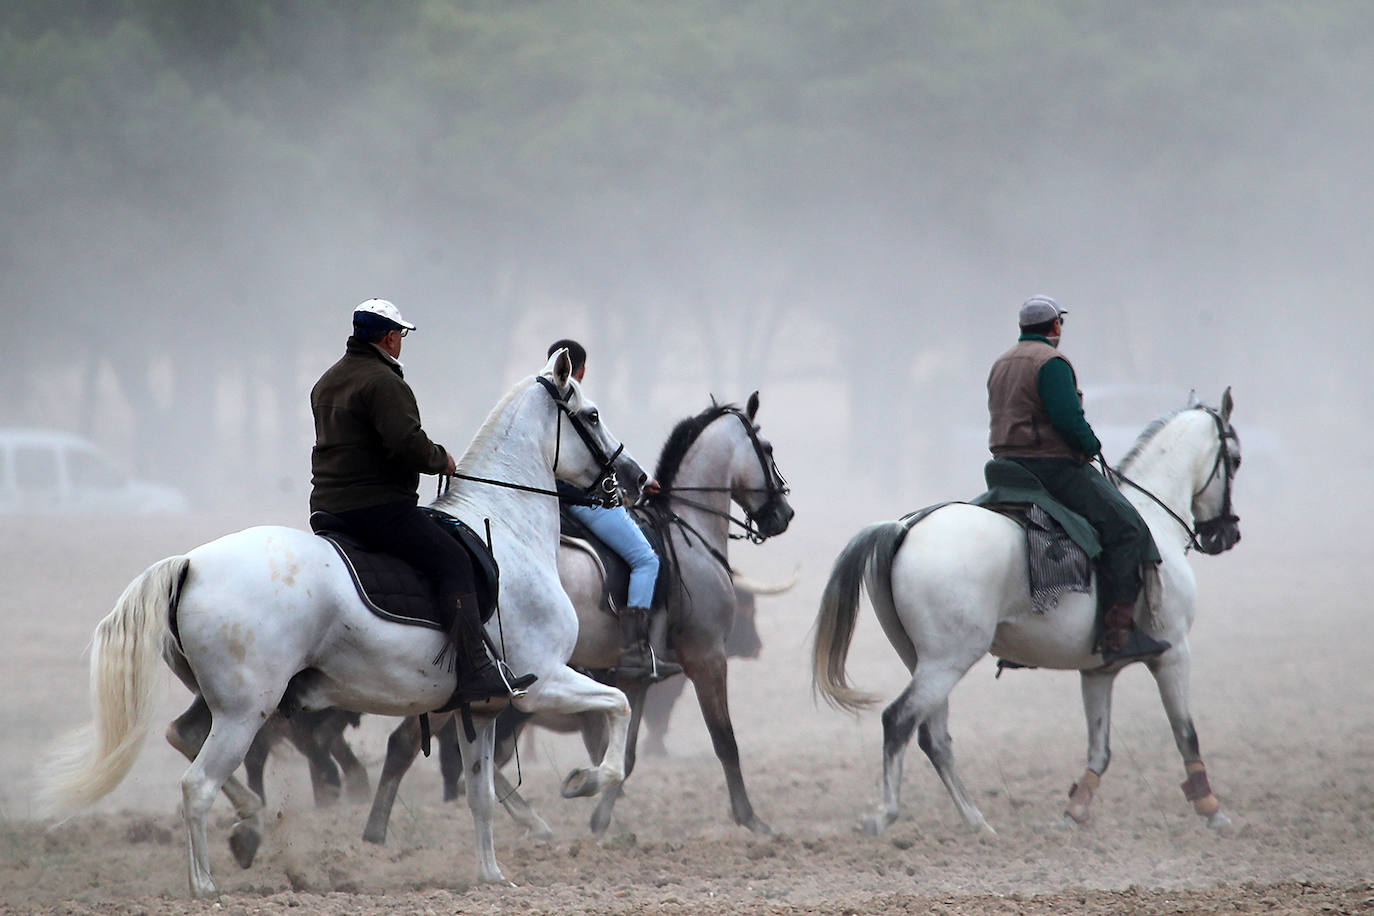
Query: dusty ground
1282, 700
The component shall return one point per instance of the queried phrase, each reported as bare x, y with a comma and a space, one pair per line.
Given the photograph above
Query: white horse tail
866, 558
126, 650
771, 588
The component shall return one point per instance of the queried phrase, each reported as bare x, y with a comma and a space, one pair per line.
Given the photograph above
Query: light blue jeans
620, 533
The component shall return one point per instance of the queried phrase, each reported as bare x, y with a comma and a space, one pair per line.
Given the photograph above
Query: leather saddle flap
396, 591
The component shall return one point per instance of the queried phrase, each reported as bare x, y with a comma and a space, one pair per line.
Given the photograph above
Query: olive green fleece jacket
369, 447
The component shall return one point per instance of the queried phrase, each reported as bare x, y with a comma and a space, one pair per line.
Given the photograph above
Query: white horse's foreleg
594, 737
1097, 711
934, 738
478, 779
219, 756
566, 691
1172, 675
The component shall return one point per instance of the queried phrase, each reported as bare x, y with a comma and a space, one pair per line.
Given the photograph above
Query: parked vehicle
49, 472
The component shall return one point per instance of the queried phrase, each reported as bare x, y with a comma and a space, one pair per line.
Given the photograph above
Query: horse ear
559, 368
753, 406
1192, 400
1227, 405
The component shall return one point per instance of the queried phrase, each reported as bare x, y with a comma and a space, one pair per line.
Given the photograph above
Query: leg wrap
1196, 787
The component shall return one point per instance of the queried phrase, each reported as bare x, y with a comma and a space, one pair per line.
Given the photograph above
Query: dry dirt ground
1282, 700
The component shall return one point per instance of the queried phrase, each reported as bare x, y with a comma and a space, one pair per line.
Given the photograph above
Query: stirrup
654, 674
515, 685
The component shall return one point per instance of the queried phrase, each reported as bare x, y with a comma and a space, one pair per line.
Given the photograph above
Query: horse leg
634, 692
708, 677
1097, 710
925, 696
304, 730
222, 752
658, 707
933, 737
187, 733
401, 750
479, 778
450, 764
567, 691
356, 786
1172, 677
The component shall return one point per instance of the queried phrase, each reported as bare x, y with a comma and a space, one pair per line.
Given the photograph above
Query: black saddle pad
396, 591
617, 570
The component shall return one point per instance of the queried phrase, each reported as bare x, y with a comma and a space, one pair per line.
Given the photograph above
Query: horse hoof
1221, 823
581, 784
358, 792
1077, 814
759, 827
874, 824
244, 841
540, 835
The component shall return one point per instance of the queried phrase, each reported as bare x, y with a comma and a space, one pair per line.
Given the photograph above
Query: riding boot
1122, 639
637, 658
479, 677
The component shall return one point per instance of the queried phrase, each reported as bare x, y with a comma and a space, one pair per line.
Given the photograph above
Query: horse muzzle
1218, 535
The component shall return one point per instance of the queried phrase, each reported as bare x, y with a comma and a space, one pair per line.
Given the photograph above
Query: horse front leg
635, 692
1172, 675
708, 677
569, 692
479, 780
1097, 710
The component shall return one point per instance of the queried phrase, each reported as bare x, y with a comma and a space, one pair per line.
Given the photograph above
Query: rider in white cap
370, 451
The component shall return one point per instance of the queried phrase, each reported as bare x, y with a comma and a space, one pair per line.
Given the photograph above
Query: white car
46, 472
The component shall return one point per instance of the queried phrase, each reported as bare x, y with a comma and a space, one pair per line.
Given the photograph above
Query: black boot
638, 660
1122, 639
479, 677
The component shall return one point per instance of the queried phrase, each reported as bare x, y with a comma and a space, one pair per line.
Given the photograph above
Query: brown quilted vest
1019, 423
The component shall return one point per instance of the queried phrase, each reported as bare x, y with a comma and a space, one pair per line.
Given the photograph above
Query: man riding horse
1037, 421
618, 530
365, 469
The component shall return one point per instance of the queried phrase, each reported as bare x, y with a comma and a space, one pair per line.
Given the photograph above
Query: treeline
213, 168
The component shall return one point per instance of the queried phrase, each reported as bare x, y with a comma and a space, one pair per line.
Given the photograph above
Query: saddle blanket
396, 591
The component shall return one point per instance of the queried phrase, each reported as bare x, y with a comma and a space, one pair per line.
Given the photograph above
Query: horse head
586, 453
1218, 527
755, 482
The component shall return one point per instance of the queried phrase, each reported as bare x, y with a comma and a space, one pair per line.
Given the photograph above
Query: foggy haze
840, 207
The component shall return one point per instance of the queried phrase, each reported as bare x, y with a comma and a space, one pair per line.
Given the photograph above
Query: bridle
1208, 531
603, 491
775, 486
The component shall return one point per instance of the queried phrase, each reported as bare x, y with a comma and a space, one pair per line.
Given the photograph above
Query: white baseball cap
384, 309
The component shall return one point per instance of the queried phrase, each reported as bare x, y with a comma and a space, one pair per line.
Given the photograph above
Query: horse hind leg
922, 704
401, 750
187, 733
220, 754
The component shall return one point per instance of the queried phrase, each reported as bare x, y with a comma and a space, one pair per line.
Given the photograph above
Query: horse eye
593, 417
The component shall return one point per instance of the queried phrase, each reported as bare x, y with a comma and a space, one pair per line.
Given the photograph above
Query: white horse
709, 460
954, 587
270, 614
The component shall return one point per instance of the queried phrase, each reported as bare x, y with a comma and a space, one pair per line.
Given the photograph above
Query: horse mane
681, 439
1148, 433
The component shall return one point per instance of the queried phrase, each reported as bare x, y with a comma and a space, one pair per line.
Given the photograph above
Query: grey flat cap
1038, 310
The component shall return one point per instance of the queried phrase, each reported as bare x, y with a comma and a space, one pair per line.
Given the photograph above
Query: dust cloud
842, 210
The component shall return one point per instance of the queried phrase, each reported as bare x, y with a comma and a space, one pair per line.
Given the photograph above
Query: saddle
1061, 545
396, 591
616, 585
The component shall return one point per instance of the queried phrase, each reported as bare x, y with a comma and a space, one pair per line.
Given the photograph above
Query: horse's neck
1170, 466
510, 447
707, 464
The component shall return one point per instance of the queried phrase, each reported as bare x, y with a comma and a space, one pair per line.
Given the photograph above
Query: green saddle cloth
1009, 484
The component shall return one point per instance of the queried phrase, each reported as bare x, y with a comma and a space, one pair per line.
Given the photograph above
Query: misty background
841, 205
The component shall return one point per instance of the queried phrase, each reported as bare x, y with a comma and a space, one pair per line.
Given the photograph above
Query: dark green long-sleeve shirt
1058, 390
